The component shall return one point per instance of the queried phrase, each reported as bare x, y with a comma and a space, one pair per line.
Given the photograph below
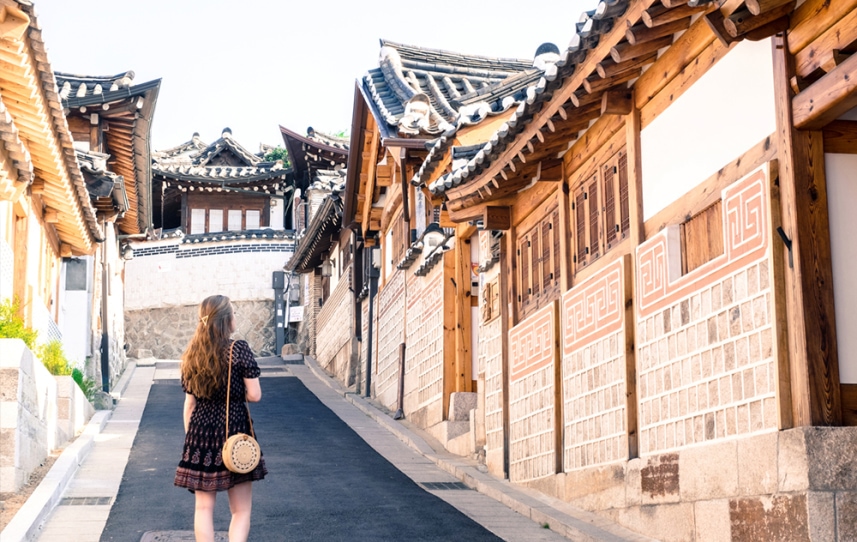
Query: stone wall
38, 413
166, 331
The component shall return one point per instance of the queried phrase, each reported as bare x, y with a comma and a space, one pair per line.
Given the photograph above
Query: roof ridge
445, 52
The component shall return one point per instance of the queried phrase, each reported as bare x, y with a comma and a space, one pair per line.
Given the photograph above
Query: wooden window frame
600, 211
538, 269
702, 237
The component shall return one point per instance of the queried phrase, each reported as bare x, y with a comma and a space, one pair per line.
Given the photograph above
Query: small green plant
278, 153
12, 326
546, 525
86, 384
54, 359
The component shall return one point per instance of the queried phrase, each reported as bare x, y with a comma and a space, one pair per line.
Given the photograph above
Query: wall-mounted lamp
326, 268
127, 252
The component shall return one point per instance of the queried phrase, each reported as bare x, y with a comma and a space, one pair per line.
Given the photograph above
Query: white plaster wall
75, 316
7, 268
841, 171
730, 109
164, 280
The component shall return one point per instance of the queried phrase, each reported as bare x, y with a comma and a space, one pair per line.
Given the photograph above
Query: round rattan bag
241, 453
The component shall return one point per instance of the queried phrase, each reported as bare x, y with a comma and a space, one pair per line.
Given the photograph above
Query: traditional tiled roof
586, 37
317, 238
332, 180
314, 152
195, 162
83, 90
48, 137
106, 189
416, 90
128, 109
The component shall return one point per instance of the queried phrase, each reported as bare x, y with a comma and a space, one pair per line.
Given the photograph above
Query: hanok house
46, 215
319, 271
220, 227
413, 269
665, 337
110, 120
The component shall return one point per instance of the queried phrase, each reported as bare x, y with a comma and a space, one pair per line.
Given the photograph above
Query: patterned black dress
201, 466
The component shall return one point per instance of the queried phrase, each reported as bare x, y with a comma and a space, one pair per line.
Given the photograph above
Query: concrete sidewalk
79, 491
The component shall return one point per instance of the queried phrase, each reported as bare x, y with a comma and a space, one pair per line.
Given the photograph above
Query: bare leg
203, 516
240, 504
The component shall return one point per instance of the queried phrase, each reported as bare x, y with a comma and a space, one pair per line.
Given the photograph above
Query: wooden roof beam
757, 7
596, 84
826, 51
742, 21
617, 102
828, 98
658, 15
610, 68
640, 33
624, 52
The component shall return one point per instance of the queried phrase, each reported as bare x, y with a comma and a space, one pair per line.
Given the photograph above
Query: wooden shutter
580, 226
547, 254
609, 206
702, 237
592, 204
535, 260
624, 198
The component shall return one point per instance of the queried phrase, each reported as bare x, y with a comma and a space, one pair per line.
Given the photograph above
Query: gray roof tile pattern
191, 161
408, 77
82, 90
588, 31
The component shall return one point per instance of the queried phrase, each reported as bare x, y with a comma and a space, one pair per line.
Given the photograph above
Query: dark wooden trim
828, 98
849, 404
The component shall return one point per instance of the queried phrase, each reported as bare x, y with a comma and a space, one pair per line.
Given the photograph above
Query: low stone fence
166, 331
38, 413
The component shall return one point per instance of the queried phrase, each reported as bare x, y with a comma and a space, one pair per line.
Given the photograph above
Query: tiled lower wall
491, 361
334, 327
532, 396
705, 339
391, 318
424, 356
594, 371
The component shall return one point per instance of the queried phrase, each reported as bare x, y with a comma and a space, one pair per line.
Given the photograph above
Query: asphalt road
324, 483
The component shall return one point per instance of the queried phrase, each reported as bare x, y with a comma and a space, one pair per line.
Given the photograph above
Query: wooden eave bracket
617, 102
13, 23
828, 98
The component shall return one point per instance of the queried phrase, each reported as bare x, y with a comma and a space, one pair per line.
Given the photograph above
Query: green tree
278, 153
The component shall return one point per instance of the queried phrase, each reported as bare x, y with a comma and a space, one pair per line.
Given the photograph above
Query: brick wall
388, 334
705, 359
532, 388
491, 362
594, 370
334, 331
424, 355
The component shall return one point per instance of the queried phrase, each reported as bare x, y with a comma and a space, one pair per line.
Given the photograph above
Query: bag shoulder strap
229, 392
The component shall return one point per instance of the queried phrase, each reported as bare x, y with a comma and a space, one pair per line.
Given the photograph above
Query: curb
571, 522
29, 518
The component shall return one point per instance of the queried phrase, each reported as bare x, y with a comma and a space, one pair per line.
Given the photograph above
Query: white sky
254, 65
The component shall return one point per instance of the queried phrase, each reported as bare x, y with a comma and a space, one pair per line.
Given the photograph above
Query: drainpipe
373, 288
105, 338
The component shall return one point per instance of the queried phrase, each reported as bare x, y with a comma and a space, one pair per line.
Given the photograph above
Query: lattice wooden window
538, 263
600, 210
702, 237
489, 301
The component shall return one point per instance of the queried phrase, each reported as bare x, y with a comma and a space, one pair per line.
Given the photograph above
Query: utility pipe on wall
105, 338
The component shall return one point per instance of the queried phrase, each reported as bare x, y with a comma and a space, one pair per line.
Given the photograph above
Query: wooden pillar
463, 365
506, 284
449, 314
633, 129
808, 274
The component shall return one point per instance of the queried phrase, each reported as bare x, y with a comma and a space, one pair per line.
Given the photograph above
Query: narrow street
334, 474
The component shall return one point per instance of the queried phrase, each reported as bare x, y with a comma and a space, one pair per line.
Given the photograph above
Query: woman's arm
254, 390
189, 405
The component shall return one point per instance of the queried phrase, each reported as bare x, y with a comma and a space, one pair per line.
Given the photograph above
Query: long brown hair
203, 365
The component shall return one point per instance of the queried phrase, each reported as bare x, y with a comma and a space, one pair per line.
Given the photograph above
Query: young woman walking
204, 370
